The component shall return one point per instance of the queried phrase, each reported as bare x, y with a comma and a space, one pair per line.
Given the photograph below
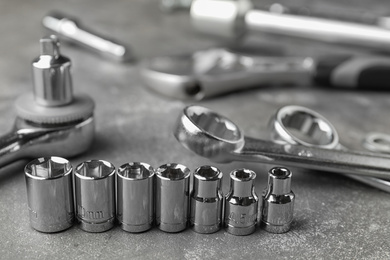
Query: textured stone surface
335, 217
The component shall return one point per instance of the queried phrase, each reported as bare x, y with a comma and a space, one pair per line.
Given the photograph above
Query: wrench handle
350, 162
360, 72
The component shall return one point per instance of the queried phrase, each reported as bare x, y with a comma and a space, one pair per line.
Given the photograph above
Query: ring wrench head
204, 132
208, 134
303, 126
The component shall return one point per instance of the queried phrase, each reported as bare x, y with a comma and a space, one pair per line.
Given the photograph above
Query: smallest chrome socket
278, 201
95, 195
49, 194
206, 200
135, 196
241, 203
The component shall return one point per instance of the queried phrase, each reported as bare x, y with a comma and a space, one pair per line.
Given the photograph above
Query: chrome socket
95, 195
135, 196
241, 203
49, 194
52, 77
278, 201
206, 200
172, 197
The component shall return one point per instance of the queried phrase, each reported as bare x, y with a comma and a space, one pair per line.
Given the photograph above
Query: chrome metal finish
224, 18
211, 135
52, 79
241, 203
233, 18
172, 197
135, 196
278, 201
377, 142
336, 13
50, 194
28, 139
206, 200
69, 29
302, 126
41, 129
94, 186
214, 72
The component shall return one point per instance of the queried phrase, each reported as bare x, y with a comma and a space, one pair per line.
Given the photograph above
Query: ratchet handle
10, 147
364, 72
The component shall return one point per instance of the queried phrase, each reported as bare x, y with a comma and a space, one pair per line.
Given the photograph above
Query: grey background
335, 217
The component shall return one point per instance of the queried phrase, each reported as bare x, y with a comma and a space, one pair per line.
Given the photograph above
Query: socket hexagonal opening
207, 172
136, 171
280, 173
49, 167
173, 171
243, 174
95, 169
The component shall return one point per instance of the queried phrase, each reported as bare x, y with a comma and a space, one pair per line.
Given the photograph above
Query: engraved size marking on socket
282, 214
242, 219
89, 214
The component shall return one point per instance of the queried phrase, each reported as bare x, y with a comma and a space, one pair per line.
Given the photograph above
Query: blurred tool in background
209, 73
69, 29
233, 19
213, 72
336, 12
175, 5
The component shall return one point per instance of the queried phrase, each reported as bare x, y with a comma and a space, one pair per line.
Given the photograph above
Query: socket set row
139, 197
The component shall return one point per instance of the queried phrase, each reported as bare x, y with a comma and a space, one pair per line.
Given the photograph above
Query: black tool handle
358, 72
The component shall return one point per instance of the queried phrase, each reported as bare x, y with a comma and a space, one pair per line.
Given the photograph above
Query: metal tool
241, 203
94, 187
70, 30
213, 72
377, 142
334, 12
172, 197
234, 18
135, 196
206, 200
175, 5
278, 201
50, 194
300, 138
52, 120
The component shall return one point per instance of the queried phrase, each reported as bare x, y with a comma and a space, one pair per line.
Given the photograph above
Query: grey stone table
335, 217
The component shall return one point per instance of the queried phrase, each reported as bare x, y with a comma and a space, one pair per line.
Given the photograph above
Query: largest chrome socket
49, 194
95, 195
241, 203
206, 200
172, 197
135, 196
